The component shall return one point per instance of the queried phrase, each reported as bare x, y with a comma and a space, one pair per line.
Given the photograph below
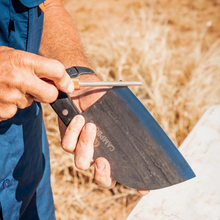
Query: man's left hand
78, 138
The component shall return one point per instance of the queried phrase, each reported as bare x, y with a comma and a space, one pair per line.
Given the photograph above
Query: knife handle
64, 108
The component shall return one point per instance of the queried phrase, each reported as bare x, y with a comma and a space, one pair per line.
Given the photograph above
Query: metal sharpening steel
78, 83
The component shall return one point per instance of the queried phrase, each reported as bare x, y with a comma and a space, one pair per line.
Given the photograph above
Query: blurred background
173, 47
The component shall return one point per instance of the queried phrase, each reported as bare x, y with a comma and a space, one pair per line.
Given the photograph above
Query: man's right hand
25, 77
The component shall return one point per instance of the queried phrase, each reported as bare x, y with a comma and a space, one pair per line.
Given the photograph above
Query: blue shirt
25, 191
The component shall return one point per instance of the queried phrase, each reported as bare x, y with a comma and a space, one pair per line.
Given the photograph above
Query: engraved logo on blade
104, 139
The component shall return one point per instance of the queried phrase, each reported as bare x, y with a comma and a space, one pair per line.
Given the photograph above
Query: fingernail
70, 88
79, 118
100, 165
89, 127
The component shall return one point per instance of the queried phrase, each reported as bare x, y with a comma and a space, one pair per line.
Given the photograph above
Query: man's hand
25, 77
78, 138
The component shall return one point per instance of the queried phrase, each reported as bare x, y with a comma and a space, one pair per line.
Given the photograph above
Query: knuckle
12, 111
20, 58
104, 183
74, 130
100, 180
24, 103
88, 135
22, 106
60, 70
50, 96
67, 148
8, 112
16, 97
21, 84
29, 102
81, 163
12, 97
85, 141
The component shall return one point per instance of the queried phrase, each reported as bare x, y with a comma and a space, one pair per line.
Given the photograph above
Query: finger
53, 70
143, 192
41, 91
102, 174
72, 133
25, 101
15, 97
85, 147
7, 111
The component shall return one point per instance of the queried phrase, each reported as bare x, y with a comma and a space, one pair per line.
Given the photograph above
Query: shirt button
6, 183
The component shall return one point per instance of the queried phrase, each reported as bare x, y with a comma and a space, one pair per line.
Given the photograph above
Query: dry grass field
173, 47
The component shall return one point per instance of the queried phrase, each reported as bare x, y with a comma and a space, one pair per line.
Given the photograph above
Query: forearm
60, 39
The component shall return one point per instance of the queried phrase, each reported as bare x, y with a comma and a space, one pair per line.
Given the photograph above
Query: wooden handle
76, 84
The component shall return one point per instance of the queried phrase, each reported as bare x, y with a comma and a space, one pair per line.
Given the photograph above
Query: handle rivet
65, 112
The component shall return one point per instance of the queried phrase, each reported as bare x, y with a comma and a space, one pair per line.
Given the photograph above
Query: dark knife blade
140, 153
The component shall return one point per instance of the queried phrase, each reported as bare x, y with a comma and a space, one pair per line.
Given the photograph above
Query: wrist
83, 74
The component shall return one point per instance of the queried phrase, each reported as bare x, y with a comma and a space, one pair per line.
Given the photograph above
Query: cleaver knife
140, 153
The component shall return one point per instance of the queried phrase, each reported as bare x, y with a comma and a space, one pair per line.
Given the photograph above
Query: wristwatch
75, 71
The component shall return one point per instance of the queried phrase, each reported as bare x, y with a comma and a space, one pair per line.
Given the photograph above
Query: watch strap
79, 70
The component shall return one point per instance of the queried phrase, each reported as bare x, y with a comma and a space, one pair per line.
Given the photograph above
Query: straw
170, 48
